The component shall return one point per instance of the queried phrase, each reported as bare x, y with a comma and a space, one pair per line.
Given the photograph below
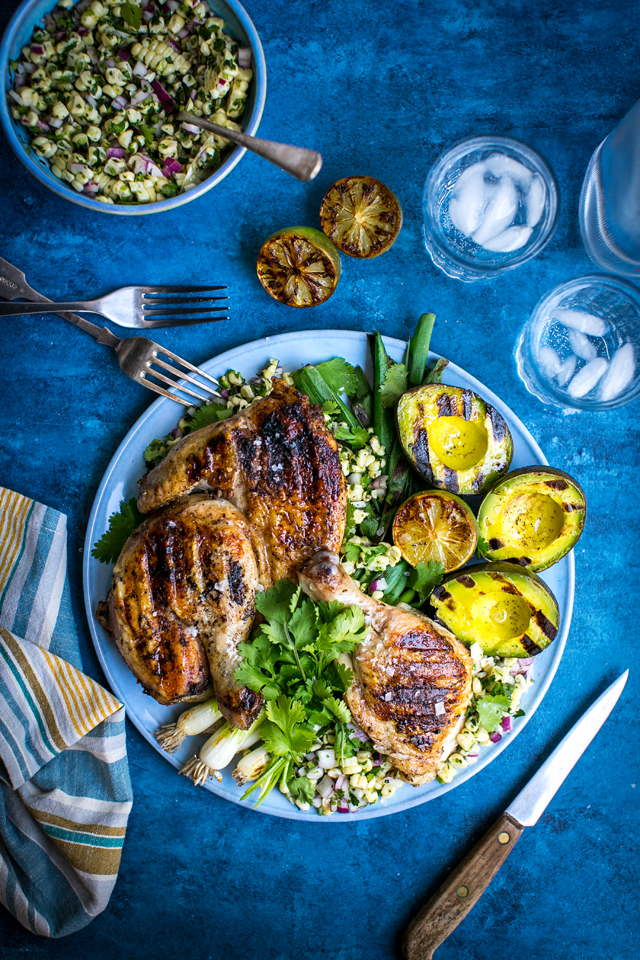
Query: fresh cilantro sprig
131, 13
121, 526
395, 383
293, 660
491, 710
339, 375
424, 577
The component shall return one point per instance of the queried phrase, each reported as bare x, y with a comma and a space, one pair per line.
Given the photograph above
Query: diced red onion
224, 394
192, 95
310, 756
90, 188
124, 54
117, 152
357, 732
378, 482
506, 723
172, 166
140, 97
373, 586
20, 67
43, 125
191, 128
166, 100
341, 782
244, 57
184, 33
222, 82
495, 737
472, 756
15, 96
140, 69
172, 5
177, 433
172, 43
55, 122
119, 102
76, 167
325, 787
20, 81
30, 68
111, 62
147, 15
37, 48
82, 31
59, 34
317, 802
343, 807
50, 22
154, 171
256, 381
90, 100
91, 52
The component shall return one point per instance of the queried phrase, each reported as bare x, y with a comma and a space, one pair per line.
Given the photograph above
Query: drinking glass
580, 347
489, 204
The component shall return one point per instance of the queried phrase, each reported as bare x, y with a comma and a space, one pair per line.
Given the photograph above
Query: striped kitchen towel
65, 793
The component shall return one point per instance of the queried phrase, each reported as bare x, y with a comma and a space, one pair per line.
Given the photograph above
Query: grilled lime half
361, 216
435, 525
299, 266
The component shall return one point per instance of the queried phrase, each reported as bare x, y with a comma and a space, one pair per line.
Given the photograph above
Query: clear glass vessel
581, 346
489, 204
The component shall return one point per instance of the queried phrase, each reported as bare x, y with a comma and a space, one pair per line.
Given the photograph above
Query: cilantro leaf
356, 437
131, 13
284, 733
208, 414
121, 525
148, 133
338, 708
331, 408
347, 629
157, 451
425, 577
274, 602
339, 375
301, 788
395, 383
342, 676
491, 710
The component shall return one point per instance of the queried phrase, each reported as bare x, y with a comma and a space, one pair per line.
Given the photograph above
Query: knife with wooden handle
465, 885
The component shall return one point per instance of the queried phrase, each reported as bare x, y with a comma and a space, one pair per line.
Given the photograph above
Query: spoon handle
299, 162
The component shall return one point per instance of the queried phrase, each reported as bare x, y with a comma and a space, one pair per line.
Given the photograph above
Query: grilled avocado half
454, 439
532, 517
510, 613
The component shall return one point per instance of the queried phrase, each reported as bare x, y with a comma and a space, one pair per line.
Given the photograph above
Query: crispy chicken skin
182, 598
277, 462
406, 666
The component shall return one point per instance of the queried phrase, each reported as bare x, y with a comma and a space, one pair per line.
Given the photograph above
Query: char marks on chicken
412, 677
277, 462
182, 598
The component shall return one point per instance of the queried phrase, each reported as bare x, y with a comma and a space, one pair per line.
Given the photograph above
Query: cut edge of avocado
504, 518
418, 412
510, 612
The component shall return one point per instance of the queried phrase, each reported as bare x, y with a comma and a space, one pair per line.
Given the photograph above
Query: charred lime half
361, 216
453, 438
299, 266
510, 613
435, 525
532, 517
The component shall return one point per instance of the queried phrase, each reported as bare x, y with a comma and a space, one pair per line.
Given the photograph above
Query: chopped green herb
121, 526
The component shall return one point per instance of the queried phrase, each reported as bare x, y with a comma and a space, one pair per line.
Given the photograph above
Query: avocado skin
573, 504
414, 418
542, 628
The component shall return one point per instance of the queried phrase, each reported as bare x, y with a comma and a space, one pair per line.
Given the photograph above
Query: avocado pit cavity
531, 521
501, 616
457, 442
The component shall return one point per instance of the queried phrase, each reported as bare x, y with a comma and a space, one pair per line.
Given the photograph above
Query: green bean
419, 348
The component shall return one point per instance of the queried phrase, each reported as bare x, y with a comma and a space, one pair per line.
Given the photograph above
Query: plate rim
373, 811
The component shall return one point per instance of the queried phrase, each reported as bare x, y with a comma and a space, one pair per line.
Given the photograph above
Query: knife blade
467, 882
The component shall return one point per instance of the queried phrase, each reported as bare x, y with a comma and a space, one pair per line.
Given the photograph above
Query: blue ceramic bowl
18, 35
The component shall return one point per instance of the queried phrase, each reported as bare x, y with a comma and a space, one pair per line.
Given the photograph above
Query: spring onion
219, 750
196, 720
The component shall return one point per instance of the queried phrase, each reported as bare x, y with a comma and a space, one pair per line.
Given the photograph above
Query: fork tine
161, 302
158, 389
194, 289
191, 322
177, 386
177, 309
185, 363
184, 376
188, 314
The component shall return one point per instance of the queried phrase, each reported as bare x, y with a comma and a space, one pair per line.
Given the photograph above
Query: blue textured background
379, 89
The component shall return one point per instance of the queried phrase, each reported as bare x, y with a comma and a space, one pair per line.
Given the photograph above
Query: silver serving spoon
299, 162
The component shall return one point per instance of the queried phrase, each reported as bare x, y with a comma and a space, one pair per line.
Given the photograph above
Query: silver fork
137, 356
140, 307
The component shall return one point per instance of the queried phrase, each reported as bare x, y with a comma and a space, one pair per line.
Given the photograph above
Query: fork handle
23, 309
101, 334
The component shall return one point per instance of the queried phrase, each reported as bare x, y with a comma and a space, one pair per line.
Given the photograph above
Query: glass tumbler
489, 204
580, 347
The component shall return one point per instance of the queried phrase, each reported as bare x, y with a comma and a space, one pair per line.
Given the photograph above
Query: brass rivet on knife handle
461, 890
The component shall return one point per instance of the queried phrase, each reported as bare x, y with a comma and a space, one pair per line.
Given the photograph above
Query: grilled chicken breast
277, 462
182, 598
412, 678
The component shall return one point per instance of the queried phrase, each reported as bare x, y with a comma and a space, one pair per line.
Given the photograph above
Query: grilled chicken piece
182, 598
277, 462
412, 678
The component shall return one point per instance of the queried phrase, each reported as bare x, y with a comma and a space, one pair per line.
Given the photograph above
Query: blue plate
18, 34
120, 482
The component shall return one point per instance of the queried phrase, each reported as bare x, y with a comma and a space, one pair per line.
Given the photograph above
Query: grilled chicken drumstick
277, 462
412, 678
